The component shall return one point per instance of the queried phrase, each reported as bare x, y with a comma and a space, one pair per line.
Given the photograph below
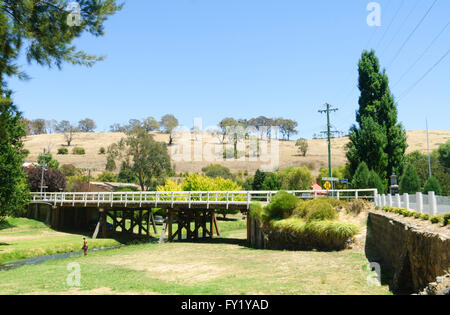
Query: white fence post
399, 201
419, 202
390, 200
432, 202
384, 201
406, 200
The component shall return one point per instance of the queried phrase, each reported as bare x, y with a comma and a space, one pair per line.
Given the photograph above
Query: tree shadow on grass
6, 225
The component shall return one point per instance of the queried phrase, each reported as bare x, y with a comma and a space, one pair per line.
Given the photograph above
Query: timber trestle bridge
131, 212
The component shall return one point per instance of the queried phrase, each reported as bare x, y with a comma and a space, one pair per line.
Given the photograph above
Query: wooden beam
153, 221
215, 224
163, 232
170, 225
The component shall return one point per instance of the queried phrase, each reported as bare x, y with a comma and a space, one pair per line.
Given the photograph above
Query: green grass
221, 266
22, 238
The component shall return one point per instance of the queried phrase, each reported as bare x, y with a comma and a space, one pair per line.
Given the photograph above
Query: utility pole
428, 148
42, 172
329, 134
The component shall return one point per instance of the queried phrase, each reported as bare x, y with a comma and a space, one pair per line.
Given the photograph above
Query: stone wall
417, 252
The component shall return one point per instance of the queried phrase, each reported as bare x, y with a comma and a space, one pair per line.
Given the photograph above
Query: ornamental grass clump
281, 206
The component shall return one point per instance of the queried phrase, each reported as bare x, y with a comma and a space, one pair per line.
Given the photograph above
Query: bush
435, 219
321, 212
102, 150
257, 211
69, 170
446, 219
78, 151
327, 235
425, 217
282, 205
357, 206
107, 177
63, 151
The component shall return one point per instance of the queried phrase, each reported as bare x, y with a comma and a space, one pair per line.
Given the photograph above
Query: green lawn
221, 266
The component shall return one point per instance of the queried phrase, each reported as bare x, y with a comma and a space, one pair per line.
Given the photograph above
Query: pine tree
258, 181
376, 182
376, 107
410, 181
41, 26
432, 184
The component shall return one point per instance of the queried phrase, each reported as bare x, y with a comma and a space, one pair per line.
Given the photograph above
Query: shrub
321, 212
257, 211
63, 151
25, 152
102, 150
282, 205
417, 215
328, 235
107, 177
78, 151
425, 217
357, 206
69, 170
435, 219
446, 219
225, 212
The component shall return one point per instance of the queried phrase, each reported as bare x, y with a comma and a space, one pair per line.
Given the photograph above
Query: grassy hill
316, 158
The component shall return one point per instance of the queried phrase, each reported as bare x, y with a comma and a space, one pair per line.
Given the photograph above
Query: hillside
288, 155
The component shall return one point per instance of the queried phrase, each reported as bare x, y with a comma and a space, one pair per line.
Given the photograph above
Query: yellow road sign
327, 185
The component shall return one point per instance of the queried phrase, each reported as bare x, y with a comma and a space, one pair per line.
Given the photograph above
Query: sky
245, 58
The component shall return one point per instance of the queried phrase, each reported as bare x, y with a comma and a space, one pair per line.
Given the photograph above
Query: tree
444, 155
432, 184
168, 124
217, 170
142, 157
43, 26
66, 128
302, 145
287, 127
271, 182
150, 124
54, 179
258, 180
13, 188
377, 110
368, 144
409, 181
296, 178
38, 127
107, 177
50, 162
375, 181
86, 125
361, 177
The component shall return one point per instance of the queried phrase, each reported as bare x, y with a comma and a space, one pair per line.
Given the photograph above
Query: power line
390, 24
423, 54
402, 24
413, 32
407, 91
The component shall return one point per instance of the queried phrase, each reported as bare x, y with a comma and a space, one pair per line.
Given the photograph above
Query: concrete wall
416, 255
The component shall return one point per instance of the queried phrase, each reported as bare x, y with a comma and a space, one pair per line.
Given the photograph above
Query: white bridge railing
423, 203
190, 198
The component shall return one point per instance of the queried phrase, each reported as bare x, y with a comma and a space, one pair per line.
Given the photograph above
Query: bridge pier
191, 221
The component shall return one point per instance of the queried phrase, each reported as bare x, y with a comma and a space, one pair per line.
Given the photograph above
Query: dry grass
288, 154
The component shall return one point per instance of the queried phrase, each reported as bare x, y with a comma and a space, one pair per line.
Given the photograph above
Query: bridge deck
186, 199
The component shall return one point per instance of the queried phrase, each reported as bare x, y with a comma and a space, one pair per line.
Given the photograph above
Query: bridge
193, 211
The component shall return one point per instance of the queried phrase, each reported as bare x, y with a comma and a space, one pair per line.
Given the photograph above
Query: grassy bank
22, 238
220, 266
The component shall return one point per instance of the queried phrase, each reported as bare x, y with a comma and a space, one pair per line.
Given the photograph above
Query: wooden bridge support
192, 221
142, 221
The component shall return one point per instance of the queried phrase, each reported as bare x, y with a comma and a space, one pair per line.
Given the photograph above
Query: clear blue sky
245, 58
